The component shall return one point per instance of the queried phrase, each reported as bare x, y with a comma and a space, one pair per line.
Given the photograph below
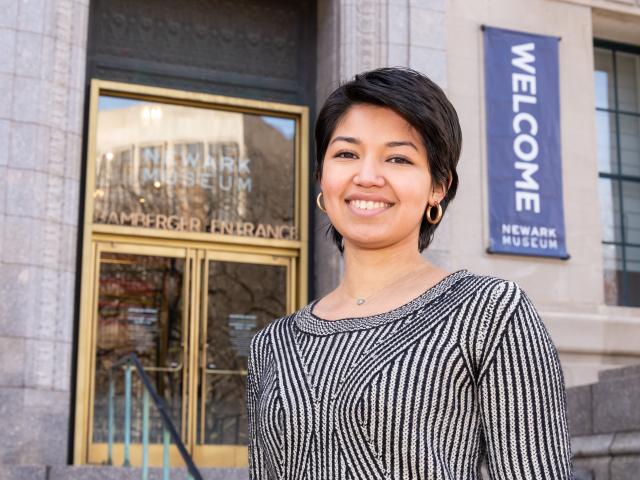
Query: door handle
173, 367
219, 371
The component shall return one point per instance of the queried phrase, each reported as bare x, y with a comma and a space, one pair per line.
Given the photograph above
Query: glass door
195, 237
241, 295
142, 306
189, 315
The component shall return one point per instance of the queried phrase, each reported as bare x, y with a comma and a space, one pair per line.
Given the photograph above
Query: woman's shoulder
274, 332
487, 310
491, 290
489, 302
487, 280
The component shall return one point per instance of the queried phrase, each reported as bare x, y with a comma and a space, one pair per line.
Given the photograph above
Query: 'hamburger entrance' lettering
192, 224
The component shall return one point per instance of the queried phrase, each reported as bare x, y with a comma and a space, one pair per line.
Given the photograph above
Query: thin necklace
362, 300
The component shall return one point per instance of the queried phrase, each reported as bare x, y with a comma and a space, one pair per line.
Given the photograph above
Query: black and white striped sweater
466, 371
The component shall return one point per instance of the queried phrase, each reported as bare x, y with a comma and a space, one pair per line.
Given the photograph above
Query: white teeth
368, 204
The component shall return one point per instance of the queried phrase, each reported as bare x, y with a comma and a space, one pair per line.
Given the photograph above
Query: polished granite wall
42, 74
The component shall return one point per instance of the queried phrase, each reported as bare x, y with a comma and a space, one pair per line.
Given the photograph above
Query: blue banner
526, 214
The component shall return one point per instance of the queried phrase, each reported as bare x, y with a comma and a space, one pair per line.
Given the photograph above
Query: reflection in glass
242, 299
612, 263
628, 81
631, 204
181, 168
617, 278
610, 209
603, 79
606, 142
630, 144
139, 310
632, 255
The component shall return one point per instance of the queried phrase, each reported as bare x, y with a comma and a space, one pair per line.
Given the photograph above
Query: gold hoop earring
438, 217
320, 204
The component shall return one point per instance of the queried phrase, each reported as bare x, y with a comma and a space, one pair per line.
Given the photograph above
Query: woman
405, 370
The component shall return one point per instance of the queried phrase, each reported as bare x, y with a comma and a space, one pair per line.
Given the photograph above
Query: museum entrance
194, 241
189, 315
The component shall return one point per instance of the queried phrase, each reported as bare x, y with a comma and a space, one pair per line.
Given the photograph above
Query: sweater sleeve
523, 401
257, 469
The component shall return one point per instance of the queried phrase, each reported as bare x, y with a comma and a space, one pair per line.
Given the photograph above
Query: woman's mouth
368, 207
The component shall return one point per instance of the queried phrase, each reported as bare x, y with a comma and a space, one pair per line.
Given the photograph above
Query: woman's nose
368, 175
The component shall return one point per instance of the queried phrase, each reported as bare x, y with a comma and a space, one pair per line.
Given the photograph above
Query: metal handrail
169, 430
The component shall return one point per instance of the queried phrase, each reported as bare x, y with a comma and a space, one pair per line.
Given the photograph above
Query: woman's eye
398, 160
345, 155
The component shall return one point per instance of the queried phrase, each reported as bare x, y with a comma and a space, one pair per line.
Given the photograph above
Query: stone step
621, 373
120, 473
91, 472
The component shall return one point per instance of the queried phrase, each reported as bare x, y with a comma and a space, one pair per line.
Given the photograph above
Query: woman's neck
367, 271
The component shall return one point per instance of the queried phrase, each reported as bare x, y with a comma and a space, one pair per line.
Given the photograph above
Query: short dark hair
422, 104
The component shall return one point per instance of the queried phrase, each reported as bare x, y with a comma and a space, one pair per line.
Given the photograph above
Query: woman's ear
440, 191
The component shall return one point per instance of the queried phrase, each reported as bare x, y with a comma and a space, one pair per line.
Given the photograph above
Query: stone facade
568, 294
42, 73
42, 77
444, 40
604, 420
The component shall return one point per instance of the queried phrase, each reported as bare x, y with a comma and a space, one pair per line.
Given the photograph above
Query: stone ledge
591, 445
625, 7
631, 371
608, 406
91, 472
20, 472
608, 445
580, 410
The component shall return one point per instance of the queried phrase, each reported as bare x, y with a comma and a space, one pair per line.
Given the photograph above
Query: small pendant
360, 301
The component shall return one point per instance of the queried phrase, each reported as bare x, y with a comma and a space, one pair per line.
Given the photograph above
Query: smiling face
375, 178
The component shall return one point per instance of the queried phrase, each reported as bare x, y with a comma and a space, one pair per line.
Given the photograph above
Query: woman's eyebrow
346, 139
402, 144
396, 143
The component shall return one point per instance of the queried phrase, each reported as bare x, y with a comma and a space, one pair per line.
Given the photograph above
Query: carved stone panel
250, 44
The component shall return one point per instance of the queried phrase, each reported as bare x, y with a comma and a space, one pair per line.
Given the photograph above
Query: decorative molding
628, 7
363, 36
240, 36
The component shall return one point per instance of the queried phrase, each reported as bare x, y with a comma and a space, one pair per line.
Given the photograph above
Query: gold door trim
97, 453
225, 455
299, 114
194, 247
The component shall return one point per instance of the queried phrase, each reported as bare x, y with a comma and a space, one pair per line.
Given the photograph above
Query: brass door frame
194, 321
297, 113
224, 455
97, 452
296, 251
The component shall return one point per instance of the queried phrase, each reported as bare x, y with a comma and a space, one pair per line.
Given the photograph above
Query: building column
42, 77
354, 36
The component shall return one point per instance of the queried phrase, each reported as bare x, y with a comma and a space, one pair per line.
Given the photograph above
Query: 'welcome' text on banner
523, 144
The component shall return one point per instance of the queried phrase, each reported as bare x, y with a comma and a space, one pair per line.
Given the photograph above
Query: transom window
617, 91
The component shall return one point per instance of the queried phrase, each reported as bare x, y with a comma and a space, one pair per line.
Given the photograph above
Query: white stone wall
42, 77
443, 39
569, 295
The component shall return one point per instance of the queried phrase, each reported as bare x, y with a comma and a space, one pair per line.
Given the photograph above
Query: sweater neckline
309, 322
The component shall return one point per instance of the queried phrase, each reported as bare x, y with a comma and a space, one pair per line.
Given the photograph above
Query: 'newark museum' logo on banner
523, 144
